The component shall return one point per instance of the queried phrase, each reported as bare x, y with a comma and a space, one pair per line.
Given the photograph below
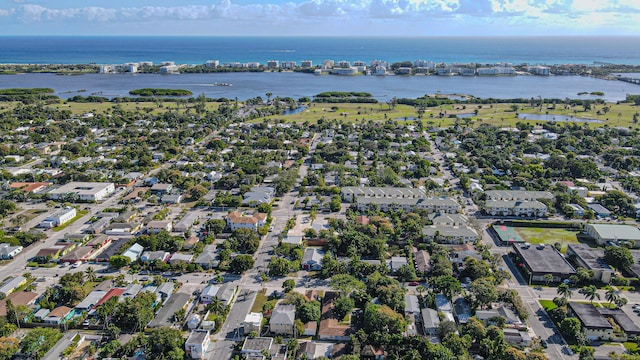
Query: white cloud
578, 14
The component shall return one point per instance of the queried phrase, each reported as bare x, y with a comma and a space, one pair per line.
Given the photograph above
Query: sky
320, 17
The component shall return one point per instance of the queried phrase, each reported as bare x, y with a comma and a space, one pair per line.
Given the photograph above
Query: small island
160, 92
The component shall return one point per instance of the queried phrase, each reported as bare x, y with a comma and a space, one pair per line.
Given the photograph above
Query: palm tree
564, 291
590, 293
610, 295
90, 274
421, 289
548, 278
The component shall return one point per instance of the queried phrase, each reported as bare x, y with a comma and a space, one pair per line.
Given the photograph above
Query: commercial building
82, 191
591, 259
60, 217
540, 260
603, 234
9, 252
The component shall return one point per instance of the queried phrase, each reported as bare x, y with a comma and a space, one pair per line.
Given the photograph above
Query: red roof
111, 293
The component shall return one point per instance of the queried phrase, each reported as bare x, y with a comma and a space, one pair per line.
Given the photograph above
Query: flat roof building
591, 259
540, 260
82, 191
605, 233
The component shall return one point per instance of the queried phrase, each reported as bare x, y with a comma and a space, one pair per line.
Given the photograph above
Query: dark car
544, 343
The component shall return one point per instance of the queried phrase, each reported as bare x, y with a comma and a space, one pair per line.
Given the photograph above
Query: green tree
484, 291
278, 266
241, 263
346, 283
590, 293
618, 256
448, 285
119, 261
309, 311
38, 341
610, 294
548, 278
165, 344
90, 274
570, 327
493, 345
343, 306
8, 347
288, 285
564, 290
245, 240
382, 318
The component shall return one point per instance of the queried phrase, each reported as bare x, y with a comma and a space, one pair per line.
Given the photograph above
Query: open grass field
548, 236
105, 107
495, 114
611, 114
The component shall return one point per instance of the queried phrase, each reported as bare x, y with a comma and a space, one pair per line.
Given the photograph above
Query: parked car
544, 343
414, 283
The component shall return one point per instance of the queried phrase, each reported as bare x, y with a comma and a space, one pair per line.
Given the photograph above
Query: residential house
134, 252
430, 321
330, 327
177, 257
312, 259
197, 344
88, 303
153, 256
11, 285
209, 258
396, 262
445, 234
252, 323
516, 337
209, 293
58, 315
236, 220
186, 222
307, 349
158, 225
422, 261
282, 319
18, 298
259, 195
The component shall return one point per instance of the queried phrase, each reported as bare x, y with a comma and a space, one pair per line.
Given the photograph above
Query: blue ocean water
197, 50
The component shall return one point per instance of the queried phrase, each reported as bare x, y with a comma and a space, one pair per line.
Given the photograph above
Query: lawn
548, 305
259, 302
548, 236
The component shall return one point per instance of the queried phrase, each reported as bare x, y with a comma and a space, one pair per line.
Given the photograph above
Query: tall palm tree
90, 274
564, 291
421, 289
590, 293
610, 295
